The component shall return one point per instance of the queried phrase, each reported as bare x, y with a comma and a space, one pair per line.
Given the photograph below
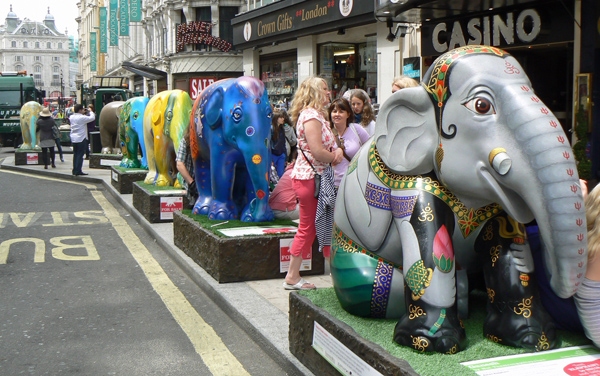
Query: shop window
349, 66
280, 75
203, 14
226, 14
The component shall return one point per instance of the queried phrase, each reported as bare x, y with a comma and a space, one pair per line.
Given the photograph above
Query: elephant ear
405, 134
213, 108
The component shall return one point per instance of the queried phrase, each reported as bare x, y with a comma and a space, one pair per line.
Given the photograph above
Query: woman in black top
44, 125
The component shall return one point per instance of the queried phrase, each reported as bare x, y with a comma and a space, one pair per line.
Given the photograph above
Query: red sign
168, 205
32, 158
583, 368
197, 84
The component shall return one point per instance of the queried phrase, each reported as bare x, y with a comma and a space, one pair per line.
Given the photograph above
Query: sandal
299, 286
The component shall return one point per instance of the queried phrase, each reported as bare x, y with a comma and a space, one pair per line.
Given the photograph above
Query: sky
64, 12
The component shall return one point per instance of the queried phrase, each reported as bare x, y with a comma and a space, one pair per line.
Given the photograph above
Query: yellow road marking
205, 340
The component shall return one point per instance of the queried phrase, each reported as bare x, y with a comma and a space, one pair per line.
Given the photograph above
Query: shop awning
144, 71
418, 11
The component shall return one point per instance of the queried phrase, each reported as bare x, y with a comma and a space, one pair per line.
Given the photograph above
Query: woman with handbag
349, 136
317, 150
44, 125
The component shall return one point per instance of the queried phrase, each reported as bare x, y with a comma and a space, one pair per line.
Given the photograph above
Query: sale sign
197, 84
32, 158
285, 256
168, 205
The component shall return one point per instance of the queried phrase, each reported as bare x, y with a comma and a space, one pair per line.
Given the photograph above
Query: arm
362, 133
312, 131
184, 172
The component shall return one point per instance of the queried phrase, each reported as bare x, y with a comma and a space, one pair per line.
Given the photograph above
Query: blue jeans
279, 162
78, 151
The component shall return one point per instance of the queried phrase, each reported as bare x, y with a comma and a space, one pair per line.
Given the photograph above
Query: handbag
317, 176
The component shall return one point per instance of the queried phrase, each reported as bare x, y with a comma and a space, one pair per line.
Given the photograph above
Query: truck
16, 89
101, 90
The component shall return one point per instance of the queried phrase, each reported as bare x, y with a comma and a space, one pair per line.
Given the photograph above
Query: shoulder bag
317, 176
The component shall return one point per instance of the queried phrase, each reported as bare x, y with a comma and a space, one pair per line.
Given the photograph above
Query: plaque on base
123, 178
29, 157
105, 161
157, 204
238, 258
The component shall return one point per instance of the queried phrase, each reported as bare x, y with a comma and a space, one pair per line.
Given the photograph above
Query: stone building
38, 48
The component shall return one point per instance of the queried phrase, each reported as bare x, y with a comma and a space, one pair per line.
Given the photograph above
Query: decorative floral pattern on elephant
108, 124
230, 142
455, 167
131, 132
166, 120
29, 115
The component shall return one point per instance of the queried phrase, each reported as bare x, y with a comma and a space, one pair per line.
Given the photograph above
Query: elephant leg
515, 315
431, 322
203, 185
222, 170
161, 151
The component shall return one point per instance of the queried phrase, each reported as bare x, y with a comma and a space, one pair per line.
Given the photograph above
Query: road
85, 291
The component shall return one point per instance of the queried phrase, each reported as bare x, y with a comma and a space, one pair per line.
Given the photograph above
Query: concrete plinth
123, 178
158, 206
29, 157
235, 259
105, 161
304, 314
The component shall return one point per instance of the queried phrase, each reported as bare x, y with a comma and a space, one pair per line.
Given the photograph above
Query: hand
192, 189
338, 156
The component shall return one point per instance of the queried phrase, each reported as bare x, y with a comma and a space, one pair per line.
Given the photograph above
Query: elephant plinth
454, 169
230, 142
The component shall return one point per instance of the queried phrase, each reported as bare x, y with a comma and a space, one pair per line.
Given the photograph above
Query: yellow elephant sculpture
29, 114
166, 119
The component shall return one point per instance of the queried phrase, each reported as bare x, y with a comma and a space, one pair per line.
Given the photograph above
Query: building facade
38, 48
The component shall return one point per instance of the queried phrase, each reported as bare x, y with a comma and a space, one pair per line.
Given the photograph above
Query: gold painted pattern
452, 350
543, 343
469, 219
426, 214
493, 338
491, 294
381, 290
495, 254
517, 228
418, 278
415, 311
420, 343
524, 308
489, 233
341, 242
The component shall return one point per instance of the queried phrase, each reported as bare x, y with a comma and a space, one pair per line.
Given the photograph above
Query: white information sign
338, 355
285, 257
115, 176
256, 230
571, 361
170, 192
109, 162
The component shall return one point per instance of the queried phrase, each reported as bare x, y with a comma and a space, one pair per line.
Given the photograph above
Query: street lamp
60, 100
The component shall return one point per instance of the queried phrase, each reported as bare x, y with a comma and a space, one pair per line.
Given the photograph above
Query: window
25, 45
48, 45
37, 58
55, 80
55, 69
226, 14
60, 46
13, 44
37, 45
55, 58
18, 67
18, 58
38, 79
203, 14
37, 68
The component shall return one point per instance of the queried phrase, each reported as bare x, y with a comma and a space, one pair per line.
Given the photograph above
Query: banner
135, 10
93, 51
123, 17
113, 23
103, 45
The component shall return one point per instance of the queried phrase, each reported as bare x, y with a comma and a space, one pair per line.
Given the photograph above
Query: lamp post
60, 100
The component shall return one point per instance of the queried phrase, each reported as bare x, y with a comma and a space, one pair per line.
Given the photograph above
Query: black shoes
80, 174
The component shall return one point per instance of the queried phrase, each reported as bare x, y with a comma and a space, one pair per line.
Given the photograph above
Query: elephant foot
266, 216
521, 324
130, 163
106, 151
163, 181
177, 184
150, 177
25, 146
202, 206
222, 210
427, 328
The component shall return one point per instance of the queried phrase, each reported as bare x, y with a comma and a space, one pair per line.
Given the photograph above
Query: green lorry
16, 89
102, 90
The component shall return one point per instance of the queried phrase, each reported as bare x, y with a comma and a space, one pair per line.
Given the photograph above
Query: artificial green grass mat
155, 188
381, 331
232, 223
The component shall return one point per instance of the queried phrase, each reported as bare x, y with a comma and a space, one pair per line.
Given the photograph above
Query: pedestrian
290, 137
349, 136
44, 126
91, 127
79, 120
363, 111
402, 82
278, 144
317, 151
283, 200
185, 166
56, 135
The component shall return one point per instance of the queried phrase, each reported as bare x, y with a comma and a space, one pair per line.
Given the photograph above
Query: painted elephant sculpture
230, 143
108, 124
454, 169
166, 120
29, 115
131, 132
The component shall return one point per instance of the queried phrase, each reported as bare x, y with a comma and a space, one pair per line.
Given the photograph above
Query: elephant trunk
550, 188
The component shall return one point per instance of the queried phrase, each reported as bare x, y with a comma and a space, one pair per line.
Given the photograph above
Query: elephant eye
237, 116
481, 106
250, 131
135, 115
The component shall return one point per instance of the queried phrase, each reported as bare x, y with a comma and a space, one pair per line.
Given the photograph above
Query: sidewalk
259, 307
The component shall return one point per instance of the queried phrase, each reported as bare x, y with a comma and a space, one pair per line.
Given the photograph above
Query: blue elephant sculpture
230, 143
131, 132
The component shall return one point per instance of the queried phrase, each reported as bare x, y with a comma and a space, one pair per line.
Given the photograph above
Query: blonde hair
309, 94
592, 210
368, 114
404, 81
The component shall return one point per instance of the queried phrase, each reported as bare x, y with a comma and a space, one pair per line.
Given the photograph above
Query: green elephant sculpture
29, 114
131, 132
454, 168
166, 119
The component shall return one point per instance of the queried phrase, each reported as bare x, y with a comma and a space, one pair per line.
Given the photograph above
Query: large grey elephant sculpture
454, 169
108, 124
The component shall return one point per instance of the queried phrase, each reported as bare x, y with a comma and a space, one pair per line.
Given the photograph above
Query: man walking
79, 140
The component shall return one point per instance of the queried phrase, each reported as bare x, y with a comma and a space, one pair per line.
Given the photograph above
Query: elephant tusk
500, 161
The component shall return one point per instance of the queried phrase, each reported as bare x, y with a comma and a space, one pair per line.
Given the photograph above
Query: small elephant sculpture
29, 114
131, 132
230, 142
108, 124
166, 120
455, 167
